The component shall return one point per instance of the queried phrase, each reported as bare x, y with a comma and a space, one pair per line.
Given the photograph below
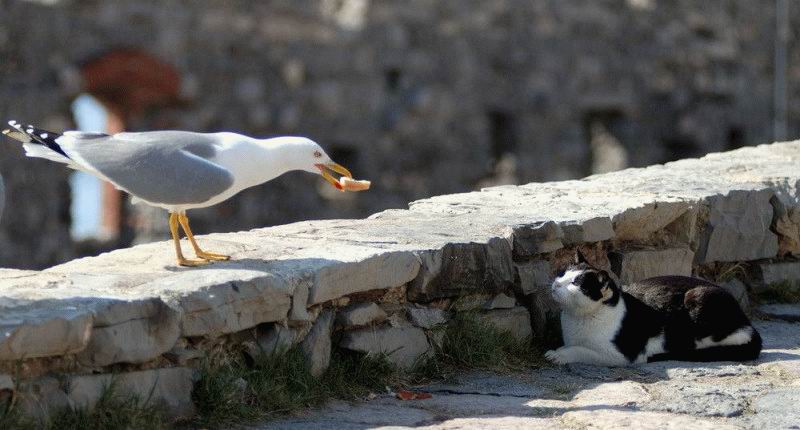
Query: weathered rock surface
463, 268
738, 227
535, 281
427, 318
227, 301
516, 321
591, 230
784, 274
317, 344
786, 223
172, 387
528, 240
149, 329
641, 222
534, 276
276, 338
360, 314
500, 301
403, 346
6, 382
636, 265
43, 330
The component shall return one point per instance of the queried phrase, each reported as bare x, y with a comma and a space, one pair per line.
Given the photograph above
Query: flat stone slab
665, 395
471, 236
783, 311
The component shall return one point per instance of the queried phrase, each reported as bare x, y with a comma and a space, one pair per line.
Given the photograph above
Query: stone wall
425, 98
384, 283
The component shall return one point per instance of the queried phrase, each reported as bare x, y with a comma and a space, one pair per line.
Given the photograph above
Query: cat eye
561, 273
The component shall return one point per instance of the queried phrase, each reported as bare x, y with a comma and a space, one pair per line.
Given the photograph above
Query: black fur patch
689, 309
592, 281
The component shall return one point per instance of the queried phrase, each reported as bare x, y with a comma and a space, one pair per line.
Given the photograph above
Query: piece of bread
350, 184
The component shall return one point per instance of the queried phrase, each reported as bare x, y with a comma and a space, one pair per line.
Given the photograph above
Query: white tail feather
40, 151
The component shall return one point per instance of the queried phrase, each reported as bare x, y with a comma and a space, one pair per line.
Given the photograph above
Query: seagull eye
317, 154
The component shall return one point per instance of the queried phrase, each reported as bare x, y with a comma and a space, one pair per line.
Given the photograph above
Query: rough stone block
591, 230
528, 240
534, 275
516, 321
229, 301
171, 387
275, 338
37, 336
535, 281
636, 265
6, 382
376, 272
299, 310
641, 222
463, 268
427, 318
360, 314
42, 397
786, 223
684, 229
770, 274
403, 346
153, 329
738, 228
182, 356
500, 301
317, 344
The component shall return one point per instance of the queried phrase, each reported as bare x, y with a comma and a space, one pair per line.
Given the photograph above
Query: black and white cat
663, 318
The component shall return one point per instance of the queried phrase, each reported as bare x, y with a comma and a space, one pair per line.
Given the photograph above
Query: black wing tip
35, 135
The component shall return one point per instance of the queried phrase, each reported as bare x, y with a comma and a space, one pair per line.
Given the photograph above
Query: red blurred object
131, 81
413, 395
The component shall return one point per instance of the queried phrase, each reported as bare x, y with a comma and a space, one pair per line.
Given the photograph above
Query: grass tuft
354, 376
779, 292
467, 342
229, 392
12, 418
112, 411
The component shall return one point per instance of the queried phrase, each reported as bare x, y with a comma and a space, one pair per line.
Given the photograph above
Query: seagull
179, 170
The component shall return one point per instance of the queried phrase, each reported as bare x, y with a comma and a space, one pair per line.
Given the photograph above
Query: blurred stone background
423, 97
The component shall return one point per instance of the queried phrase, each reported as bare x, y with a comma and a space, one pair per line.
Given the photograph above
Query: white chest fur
590, 337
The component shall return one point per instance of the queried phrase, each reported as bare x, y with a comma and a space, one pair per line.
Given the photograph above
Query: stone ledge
133, 306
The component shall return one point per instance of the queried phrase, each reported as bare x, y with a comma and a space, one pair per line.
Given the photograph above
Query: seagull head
312, 158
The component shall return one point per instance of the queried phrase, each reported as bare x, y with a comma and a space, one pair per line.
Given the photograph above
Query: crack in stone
479, 393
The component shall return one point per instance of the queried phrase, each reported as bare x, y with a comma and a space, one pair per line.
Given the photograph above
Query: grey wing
169, 167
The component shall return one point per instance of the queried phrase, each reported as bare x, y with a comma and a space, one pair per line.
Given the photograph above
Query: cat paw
558, 356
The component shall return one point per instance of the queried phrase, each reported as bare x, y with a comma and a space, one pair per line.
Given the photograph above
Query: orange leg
184, 220
173, 228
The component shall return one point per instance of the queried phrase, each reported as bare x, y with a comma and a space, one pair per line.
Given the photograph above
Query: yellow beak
324, 171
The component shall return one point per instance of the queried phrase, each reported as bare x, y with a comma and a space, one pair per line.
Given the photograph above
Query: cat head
583, 289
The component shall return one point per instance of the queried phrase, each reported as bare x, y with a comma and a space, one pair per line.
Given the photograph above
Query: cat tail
744, 352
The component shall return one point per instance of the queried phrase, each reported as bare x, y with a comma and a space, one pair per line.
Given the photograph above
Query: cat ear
579, 258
